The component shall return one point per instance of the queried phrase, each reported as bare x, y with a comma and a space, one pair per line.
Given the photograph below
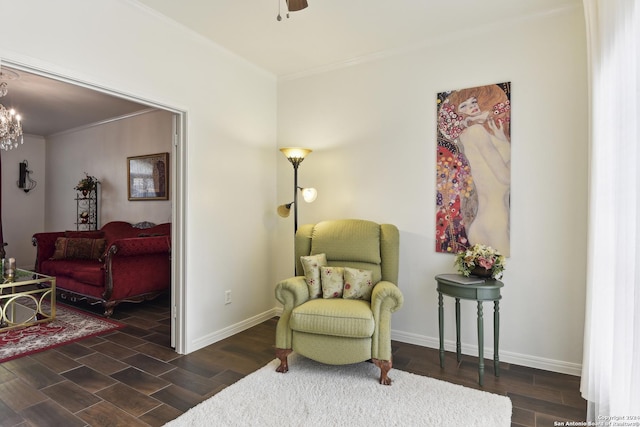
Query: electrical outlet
227, 297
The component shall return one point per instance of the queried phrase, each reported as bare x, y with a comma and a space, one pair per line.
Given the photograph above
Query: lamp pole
295, 155
295, 194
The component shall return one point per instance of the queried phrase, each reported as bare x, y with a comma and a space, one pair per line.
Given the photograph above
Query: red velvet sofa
120, 262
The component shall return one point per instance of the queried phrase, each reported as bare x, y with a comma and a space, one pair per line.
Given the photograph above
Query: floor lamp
296, 155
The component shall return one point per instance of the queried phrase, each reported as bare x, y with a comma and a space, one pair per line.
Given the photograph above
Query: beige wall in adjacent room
101, 151
23, 213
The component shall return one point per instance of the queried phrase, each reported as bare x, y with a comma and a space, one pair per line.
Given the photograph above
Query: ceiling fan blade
295, 5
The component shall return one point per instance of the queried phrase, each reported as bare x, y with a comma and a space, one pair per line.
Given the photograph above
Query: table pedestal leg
441, 328
496, 337
480, 344
458, 346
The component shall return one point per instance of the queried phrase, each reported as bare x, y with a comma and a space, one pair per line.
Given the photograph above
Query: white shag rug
313, 394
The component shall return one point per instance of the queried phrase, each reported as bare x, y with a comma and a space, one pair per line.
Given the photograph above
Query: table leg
458, 346
480, 344
496, 337
441, 328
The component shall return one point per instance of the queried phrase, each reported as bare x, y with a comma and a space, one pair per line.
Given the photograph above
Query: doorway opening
37, 94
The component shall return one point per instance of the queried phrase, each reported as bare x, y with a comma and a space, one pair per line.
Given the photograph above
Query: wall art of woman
474, 168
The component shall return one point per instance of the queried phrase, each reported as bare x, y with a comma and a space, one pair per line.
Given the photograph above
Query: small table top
473, 288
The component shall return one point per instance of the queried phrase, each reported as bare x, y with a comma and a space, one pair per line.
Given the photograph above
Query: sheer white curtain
611, 362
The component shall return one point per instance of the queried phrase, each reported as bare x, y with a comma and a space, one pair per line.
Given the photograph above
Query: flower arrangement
88, 183
480, 258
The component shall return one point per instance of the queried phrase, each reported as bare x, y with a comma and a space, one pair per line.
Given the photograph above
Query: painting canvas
473, 164
148, 177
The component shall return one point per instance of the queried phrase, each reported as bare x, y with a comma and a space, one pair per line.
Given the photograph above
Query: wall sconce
296, 155
24, 178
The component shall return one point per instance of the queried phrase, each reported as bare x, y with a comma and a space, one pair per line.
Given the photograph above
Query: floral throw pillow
332, 281
358, 284
79, 248
311, 265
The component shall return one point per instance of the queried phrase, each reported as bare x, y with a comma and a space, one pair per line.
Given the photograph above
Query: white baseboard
505, 356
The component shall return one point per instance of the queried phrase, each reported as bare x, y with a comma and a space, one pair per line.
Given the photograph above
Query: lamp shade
295, 152
284, 210
309, 194
294, 5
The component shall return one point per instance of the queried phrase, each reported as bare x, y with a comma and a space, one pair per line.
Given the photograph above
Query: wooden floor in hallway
131, 377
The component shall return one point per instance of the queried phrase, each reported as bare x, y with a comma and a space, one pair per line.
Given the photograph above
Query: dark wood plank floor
132, 377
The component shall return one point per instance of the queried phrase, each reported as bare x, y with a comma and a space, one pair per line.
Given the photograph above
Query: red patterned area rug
69, 325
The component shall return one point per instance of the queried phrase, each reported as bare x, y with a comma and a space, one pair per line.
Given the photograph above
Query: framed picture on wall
473, 168
148, 177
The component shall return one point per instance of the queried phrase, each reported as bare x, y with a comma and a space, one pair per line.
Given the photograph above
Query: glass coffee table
28, 299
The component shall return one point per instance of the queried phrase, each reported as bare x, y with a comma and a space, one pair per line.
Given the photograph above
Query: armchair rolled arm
291, 293
385, 299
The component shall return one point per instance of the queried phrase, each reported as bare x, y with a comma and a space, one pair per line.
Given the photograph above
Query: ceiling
329, 33
49, 106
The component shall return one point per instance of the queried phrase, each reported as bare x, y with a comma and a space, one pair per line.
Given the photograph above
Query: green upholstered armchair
340, 331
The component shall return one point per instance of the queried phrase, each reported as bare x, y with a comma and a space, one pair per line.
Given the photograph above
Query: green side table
477, 289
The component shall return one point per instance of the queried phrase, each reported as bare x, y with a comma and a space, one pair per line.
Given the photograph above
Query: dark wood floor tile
161, 415
574, 398
105, 414
555, 410
149, 364
140, 322
32, 372
139, 380
18, 395
91, 341
9, 417
228, 377
558, 381
159, 339
49, 413
71, 396
201, 363
55, 361
114, 350
125, 340
5, 374
128, 399
165, 354
89, 379
102, 363
237, 362
178, 397
74, 350
164, 329
134, 331
193, 382
545, 420
523, 417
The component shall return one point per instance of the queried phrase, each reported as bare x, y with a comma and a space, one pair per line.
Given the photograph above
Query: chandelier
10, 126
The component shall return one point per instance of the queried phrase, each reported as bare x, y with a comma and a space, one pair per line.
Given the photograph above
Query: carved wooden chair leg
282, 353
385, 367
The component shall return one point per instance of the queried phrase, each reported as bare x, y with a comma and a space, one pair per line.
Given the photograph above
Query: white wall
23, 213
230, 147
372, 129
102, 151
